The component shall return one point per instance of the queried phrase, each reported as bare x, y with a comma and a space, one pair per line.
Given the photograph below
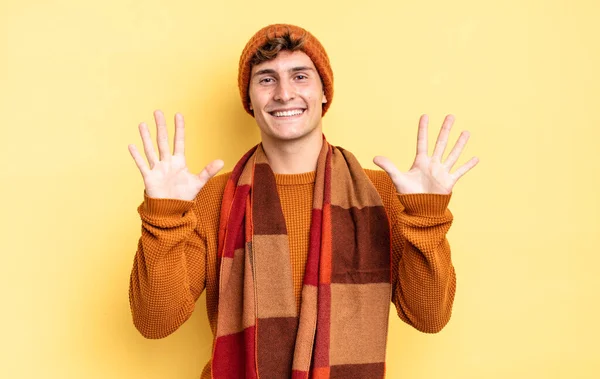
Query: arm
169, 269
423, 277
168, 273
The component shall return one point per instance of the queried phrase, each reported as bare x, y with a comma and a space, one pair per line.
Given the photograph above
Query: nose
284, 92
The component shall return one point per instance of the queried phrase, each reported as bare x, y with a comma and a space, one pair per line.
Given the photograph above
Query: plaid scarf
341, 331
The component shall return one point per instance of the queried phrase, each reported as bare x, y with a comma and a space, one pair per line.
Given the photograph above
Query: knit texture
311, 47
346, 292
176, 258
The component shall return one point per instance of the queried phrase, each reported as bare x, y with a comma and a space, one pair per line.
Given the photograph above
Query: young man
299, 249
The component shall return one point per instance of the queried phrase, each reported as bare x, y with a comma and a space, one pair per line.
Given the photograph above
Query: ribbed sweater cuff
154, 207
425, 204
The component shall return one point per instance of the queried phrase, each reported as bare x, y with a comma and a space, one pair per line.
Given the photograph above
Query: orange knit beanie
311, 47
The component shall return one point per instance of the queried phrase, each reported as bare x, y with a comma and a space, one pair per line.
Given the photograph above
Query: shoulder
381, 181
386, 189
214, 187
208, 200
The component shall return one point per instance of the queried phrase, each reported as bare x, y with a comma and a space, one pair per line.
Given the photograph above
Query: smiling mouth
287, 113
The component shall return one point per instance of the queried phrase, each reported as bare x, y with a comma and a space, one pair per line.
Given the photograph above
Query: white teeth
288, 113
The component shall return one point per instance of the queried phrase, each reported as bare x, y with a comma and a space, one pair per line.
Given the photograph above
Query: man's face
286, 95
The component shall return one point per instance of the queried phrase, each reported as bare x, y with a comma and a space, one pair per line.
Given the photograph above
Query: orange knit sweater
176, 258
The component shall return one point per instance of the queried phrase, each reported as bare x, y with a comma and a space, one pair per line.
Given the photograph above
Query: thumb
387, 166
215, 166
211, 170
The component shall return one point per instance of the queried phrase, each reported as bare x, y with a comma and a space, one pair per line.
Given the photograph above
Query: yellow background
77, 77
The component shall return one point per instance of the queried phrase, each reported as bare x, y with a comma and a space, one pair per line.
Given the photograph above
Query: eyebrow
270, 71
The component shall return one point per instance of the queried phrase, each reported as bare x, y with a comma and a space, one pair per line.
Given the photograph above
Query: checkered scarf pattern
341, 331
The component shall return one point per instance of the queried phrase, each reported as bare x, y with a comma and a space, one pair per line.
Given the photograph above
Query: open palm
429, 174
167, 176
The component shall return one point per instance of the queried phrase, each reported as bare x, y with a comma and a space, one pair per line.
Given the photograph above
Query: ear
324, 98
251, 107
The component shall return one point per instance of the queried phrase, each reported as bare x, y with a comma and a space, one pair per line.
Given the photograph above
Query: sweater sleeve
424, 280
169, 267
423, 277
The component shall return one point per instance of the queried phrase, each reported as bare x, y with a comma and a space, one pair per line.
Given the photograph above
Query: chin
287, 136
283, 134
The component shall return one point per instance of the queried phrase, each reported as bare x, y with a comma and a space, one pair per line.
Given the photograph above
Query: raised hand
167, 176
430, 174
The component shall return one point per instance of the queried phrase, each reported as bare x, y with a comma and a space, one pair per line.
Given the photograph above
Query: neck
294, 157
